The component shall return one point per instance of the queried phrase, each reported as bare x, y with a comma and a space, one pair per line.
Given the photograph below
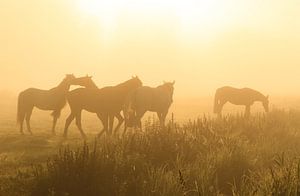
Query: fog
235, 43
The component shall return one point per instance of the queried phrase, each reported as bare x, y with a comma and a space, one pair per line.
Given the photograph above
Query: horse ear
173, 82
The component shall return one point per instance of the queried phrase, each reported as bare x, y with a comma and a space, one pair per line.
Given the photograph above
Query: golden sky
202, 44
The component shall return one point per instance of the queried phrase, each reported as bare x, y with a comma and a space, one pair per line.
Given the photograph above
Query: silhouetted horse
145, 99
106, 102
89, 83
53, 99
244, 96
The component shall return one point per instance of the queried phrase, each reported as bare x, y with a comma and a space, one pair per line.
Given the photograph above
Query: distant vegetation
232, 156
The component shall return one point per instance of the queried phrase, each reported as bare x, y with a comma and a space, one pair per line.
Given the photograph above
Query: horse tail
216, 102
20, 109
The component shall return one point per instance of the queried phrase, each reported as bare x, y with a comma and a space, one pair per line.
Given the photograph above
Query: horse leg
125, 128
129, 120
22, 117
111, 123
54, 124
138, 118
78, 124
103, 119
28, 116
247, 111
162, 118
220, 108
67, 123
159, 114
120, 121
56, 115
126, 120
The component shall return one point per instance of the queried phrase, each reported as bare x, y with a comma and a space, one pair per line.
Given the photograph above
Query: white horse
243, 96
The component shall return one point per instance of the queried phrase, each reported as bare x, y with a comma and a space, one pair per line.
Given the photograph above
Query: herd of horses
129, 97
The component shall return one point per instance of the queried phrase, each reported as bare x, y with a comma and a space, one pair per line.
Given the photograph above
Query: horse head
85, 81
265, 103
169, 88
69, 77
134, 82
67, 81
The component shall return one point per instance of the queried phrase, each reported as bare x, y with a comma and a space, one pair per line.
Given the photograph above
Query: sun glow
202, 16
105, 11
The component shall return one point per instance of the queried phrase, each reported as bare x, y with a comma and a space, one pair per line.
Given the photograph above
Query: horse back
237, 95
42, 99
151, 99
105, 100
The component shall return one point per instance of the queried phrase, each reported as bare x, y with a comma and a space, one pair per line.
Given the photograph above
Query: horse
87, 82
53, 99
243, 96
106, 102
145, 99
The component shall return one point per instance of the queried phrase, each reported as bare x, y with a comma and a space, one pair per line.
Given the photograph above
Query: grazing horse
145, 99
106, 102
53, 99
243, 96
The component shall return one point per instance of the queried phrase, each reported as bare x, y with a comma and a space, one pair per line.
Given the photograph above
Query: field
195, 155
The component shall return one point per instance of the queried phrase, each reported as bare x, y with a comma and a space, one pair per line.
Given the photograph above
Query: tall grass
229, 156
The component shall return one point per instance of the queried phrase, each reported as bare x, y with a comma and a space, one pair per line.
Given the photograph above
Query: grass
207, 156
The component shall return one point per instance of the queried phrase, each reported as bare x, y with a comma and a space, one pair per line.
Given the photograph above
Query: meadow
200, 155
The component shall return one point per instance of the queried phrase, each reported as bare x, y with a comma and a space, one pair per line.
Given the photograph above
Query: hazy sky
202, 44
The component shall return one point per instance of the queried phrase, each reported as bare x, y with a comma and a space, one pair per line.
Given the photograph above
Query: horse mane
63, 82
94, 85
164, 86
123, 83
263, 97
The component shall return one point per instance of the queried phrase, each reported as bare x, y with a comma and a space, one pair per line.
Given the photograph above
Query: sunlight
105, 11
206, 17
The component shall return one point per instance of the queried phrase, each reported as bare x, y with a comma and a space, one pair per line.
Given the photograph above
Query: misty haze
149, 97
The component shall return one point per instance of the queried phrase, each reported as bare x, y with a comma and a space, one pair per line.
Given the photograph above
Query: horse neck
124, 87
162, 87
92, 86
165, 89
260, 97
63, 86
